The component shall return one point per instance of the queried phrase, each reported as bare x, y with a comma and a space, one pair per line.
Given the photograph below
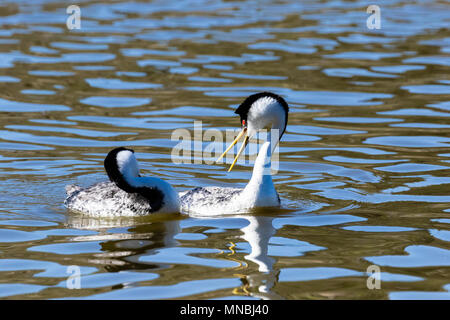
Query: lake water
363, 167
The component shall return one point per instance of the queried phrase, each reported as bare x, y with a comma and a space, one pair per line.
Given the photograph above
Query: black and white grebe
259, 111
126, 194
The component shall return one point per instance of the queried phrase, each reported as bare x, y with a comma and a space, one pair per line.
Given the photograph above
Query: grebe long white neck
260, 190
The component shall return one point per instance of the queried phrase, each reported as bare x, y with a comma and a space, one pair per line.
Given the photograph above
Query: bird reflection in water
121, 251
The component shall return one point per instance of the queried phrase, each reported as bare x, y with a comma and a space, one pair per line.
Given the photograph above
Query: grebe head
264, 110
123, 169
121, 166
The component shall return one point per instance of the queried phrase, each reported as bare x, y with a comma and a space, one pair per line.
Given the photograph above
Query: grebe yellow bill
126, 194
264, 110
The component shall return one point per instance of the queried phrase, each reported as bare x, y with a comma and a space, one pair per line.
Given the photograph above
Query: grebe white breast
126, 194
259, 111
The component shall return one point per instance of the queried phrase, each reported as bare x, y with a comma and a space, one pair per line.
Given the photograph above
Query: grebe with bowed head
127, 194
259, 111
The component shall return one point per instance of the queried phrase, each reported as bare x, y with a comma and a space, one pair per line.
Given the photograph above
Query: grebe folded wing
206, 200
105, 199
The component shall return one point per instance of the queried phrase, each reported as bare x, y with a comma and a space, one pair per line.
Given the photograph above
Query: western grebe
127, 194
264, 110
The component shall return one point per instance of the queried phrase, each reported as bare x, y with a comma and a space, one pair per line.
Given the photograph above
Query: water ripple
362, 167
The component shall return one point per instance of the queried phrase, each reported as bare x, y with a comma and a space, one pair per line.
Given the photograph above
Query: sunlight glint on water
363, 172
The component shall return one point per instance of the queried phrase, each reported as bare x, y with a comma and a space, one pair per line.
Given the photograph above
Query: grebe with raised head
264, 110
126, 194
